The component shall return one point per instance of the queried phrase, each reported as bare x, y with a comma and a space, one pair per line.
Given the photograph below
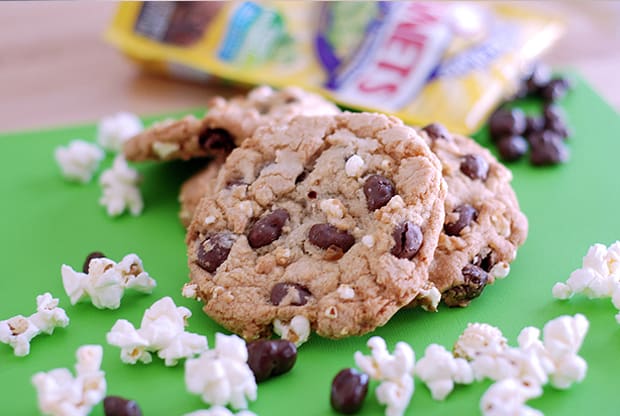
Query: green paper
46, 221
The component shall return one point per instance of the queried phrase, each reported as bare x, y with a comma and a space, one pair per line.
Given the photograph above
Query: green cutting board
46, 221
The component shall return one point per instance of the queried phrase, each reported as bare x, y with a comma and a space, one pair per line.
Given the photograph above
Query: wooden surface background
56, 69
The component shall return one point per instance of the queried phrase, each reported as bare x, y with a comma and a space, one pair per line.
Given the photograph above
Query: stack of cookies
339, 219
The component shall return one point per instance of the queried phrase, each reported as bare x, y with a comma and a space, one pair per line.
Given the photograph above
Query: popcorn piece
106, 281
333, 208
354, 166
345, 292
507, 398
190, 290
222, 376
113, 131
219, 411
429, 297
500, 270
120, 188
79, 160
563, 337
394, 371
368, 241
18, 331
479, 339
162, 330
297, 330
165, 149
60, 394
598, 276
440, 370
395, 395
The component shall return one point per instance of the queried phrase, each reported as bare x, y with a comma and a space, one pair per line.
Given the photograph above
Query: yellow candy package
451, 62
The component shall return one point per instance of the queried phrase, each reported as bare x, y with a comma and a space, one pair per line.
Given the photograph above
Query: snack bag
422, 61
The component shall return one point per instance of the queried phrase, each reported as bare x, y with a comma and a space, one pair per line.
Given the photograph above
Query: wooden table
56, 69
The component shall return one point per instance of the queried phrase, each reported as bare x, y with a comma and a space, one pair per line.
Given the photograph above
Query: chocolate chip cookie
331, 218
484, 225
193, 189
226, 124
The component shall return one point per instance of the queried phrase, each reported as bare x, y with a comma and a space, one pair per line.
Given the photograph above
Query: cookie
193, 189
484, 225
226, 124
334, 219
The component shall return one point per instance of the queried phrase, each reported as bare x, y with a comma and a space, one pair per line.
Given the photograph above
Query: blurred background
55, 67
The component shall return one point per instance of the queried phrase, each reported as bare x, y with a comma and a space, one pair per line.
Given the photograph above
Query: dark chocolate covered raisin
214, 250
269, 358
466, 214
378, 190
216, 140
474, 282
349, 389
267, 229
436, 131
118, 406
296, 294
475, 167
408, 239
326, 235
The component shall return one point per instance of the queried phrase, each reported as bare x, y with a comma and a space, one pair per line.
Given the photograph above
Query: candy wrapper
422, 61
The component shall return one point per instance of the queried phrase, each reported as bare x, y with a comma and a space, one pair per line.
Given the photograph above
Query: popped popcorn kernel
219, 411
19, 330
479, 339
221, 376
333, 208
394, 371
368, 241
120, 189
106, 281
61, 394
297, 330
508, 397
439, 370
162, 330
190, 290
354, 166
114, 130
79, 160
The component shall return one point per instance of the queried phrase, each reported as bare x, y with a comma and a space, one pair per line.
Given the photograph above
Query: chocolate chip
474, 282
378, 190
512, 148
216, 140
408, 240
214, 250
93, 255
267, 229
466, 214
538, 78
533, 124
312, 194
270, 358
506, 122
555, 89
548, 148
326, 235
436, 131
475, 167
555, 120
118, 406
349, 389
296, 294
